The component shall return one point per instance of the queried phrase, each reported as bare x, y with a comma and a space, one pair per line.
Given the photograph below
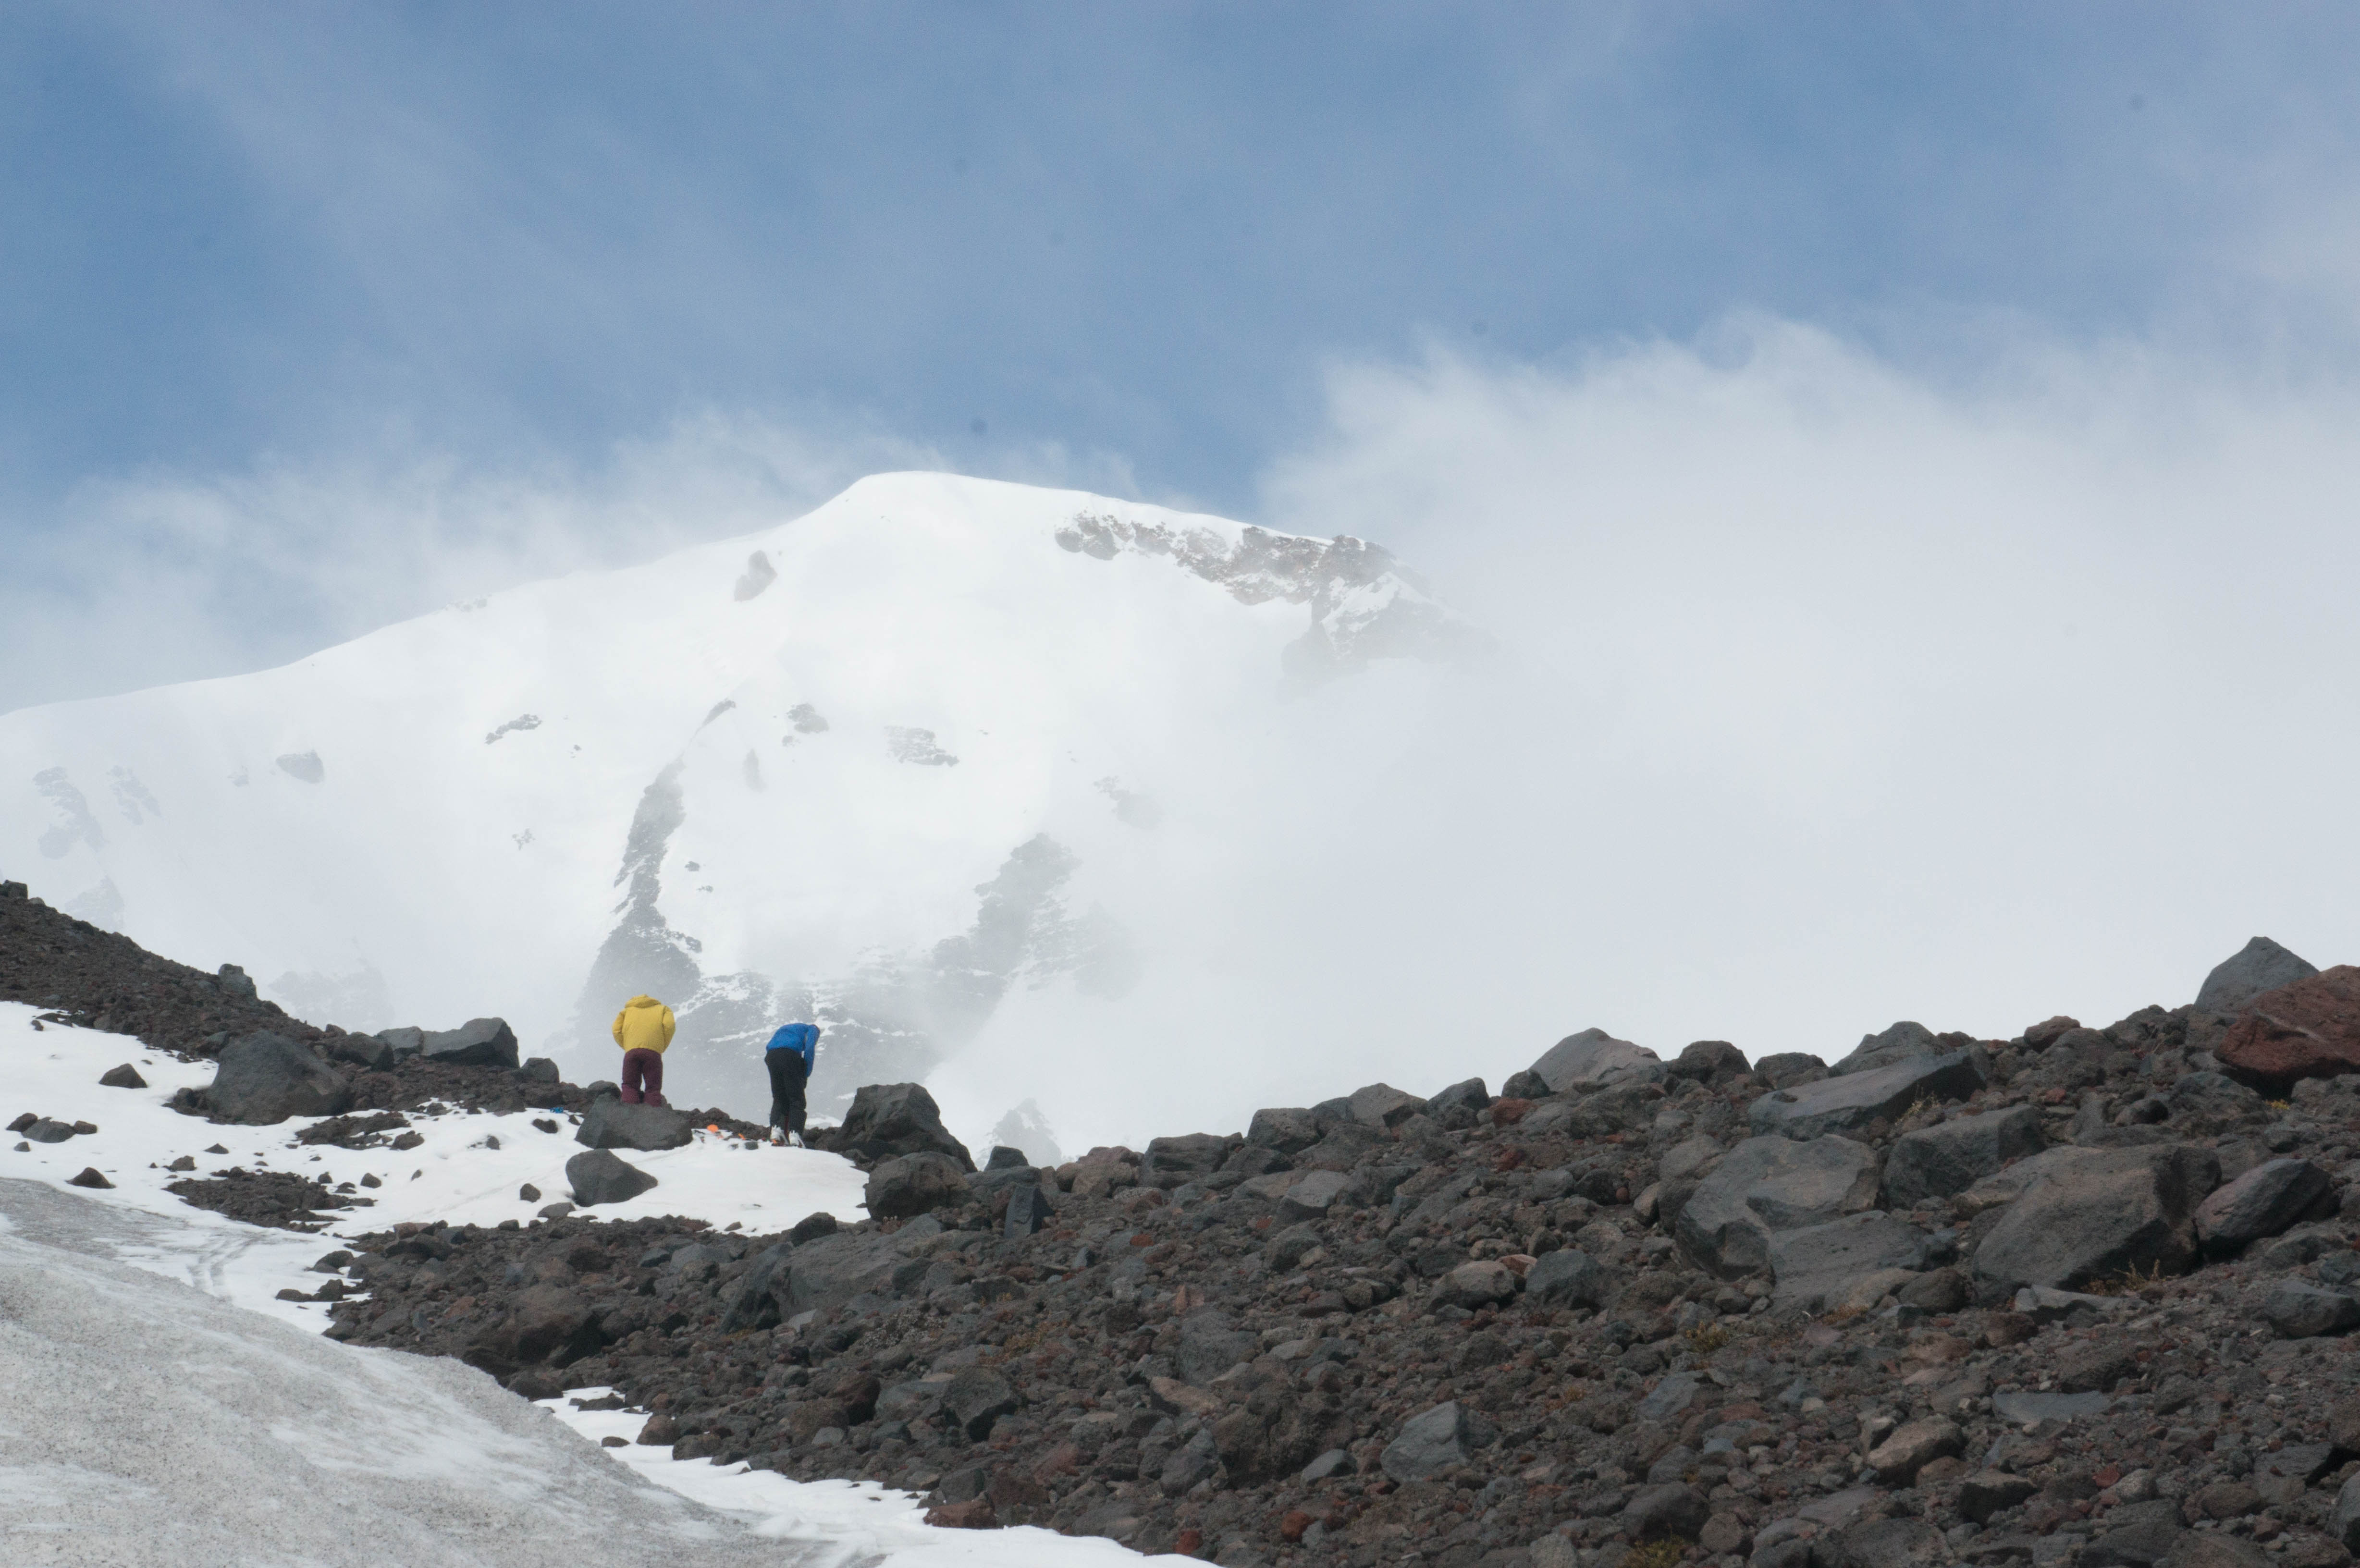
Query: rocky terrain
2076, 1298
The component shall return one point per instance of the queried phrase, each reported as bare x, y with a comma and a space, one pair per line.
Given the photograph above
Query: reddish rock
2307, 1030
975, 1513
1508, 1112
1291, 1528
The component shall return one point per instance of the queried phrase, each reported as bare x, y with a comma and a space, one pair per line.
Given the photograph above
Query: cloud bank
1829, 692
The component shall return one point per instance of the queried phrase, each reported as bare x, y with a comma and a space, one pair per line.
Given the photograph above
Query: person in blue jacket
790, 1057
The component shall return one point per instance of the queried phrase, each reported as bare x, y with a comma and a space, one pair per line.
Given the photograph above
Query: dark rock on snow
616, 1124
602, 1176
265, 1078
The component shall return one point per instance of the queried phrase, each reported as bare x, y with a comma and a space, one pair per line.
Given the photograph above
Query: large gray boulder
1434, 1440
754, 1305
265, 1078
1596, 1060
1382, 1105
1770, 1185
478, 1043
1850, 1103
2090, 1214
2265, 1201
1568, 1278
829, 1271
2260, 966
1210, 1343
1934, 1162
914, 1184
612, 1124
1898, 1043
1819, 1264
2300, 1310
1175, 1162
602, 1176
1288, 1130
890, 1119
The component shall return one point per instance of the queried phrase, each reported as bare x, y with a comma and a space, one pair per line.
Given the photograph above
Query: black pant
787, 1074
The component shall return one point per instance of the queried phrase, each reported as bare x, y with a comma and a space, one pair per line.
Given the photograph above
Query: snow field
156, 1420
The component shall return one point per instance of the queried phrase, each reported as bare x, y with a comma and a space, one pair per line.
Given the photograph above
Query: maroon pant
643, 1067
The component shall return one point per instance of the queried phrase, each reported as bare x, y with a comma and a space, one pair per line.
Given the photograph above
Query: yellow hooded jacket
644, 1024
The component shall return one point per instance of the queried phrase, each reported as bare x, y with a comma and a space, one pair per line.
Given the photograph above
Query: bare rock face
2259, 966
914, 1184
1770, 1185
601, 1176
2309, 1029
2099, 1213
1850, 1102
2265, 1201
1950, 1157
890, 1119
1596, 1060
265, 1078
613, 1124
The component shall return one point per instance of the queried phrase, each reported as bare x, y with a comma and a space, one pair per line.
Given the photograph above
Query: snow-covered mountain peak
938, 739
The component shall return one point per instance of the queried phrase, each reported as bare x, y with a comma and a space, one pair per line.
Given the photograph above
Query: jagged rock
1596, 1060
1788, 1069
1175, 1162
1886, 1543
1479, 1283
1988, 1492
2309, 1029
478, 1043
1675, 1510
1567, 1277
1679, 1173
89, 1177
124, 1077
1935, 1162
2096, 1213
1912, 1446
756, 1306
2048, 1032
2260, 966
601, 1176
977, 1398
1382, 1105
826, 1271
1311, 1197
367, 1051
265, 1078
1898, 1043
1028, 1213
1434, 1440
1769, 1184
2264, 1202
616, 1124
1210, 1343
538, 1070
1708, 1061
1469, 1095
1006, 1160
2138, 1535
1287, 1130
2208, 1100
890, 1119
1822, 1263
1881, 1094
2300, 1311
406, 1043
914, 1184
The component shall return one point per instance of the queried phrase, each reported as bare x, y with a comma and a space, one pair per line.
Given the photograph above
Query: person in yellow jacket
643, 1028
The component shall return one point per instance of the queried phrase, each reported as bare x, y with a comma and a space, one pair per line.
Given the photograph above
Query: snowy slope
158, 1414
938, 739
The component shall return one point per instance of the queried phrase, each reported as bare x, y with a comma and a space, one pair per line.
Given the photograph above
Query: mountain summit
936, 739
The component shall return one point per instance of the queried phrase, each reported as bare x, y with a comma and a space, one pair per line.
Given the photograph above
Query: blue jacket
801, 1038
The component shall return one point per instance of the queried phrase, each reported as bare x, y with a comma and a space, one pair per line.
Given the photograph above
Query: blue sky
240, 231
315, 317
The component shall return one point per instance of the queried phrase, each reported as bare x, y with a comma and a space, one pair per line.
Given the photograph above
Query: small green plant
1662, 1554
1705, 1338
2129, 1283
